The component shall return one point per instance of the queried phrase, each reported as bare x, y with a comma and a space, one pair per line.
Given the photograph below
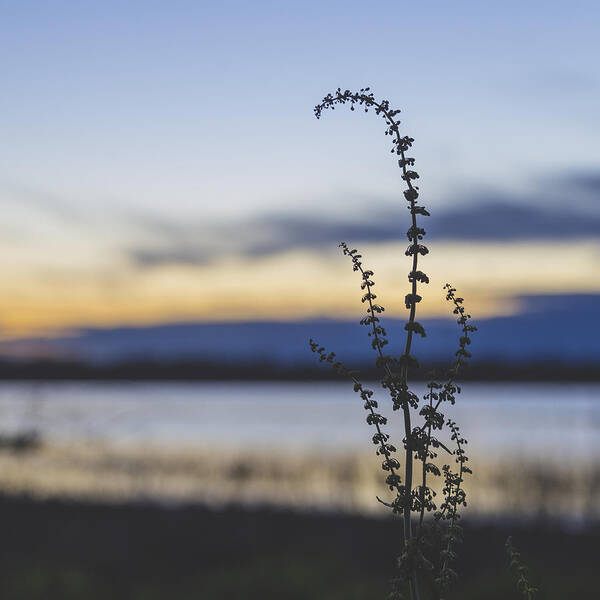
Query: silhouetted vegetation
21, 441
147, 370
70, 551
194, 370
426, 563
426, 566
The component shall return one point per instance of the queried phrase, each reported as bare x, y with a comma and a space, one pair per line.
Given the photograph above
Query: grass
75, 550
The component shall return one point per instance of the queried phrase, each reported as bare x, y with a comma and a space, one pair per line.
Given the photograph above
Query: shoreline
288, 479
64, 370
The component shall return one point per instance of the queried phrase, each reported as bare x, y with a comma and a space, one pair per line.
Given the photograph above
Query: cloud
41, 200
488, 218
148, 257
498, 220
588, 182
542, 216
289, 232
199, 244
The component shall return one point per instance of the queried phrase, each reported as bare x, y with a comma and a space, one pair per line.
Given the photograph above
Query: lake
562, 420
294, 444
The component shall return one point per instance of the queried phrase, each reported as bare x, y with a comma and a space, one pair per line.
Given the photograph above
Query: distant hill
561, 329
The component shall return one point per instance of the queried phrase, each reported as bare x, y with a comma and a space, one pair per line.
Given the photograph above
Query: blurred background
168, 245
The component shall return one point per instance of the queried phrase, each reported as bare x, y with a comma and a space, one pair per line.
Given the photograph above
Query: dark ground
62, 370
84, 551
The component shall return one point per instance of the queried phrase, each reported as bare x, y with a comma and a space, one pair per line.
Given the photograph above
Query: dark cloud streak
486, 217
40, 200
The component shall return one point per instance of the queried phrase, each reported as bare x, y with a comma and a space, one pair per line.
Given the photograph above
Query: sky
161, 161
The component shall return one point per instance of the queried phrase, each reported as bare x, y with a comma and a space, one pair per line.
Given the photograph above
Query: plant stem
424, 479
408, 473
411, 196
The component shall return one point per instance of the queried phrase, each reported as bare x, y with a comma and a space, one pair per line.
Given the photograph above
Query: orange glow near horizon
290, 285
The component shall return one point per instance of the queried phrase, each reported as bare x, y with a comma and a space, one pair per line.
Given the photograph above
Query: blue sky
185, 129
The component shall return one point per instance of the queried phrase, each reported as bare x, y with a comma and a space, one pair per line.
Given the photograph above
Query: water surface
549, 421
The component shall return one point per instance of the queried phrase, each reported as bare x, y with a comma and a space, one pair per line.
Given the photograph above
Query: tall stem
408, 470
424, 471
411, 195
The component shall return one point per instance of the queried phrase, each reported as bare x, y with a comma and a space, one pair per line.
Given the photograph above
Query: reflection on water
537, 419
534, 447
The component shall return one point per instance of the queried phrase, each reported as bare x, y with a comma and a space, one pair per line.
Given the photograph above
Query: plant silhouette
425, 565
